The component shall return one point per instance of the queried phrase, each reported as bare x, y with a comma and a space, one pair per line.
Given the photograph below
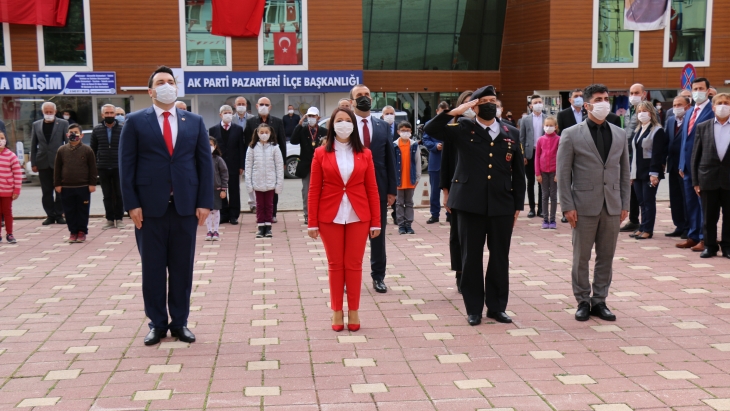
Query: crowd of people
602, 167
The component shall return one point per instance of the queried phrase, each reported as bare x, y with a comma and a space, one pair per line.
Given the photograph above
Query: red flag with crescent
291, 10
285, 48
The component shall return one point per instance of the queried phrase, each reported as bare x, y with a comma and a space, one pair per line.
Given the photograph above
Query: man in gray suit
48, 135
593, 182
531, 130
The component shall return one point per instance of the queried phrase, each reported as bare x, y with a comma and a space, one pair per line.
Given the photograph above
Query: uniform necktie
365, 133
691, 124
167, 131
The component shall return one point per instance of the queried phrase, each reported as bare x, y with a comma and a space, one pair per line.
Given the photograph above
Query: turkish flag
291, 11
285, 48
232, 18
50, 13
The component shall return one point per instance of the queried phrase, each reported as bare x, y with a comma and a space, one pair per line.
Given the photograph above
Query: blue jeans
693, 210
434, 178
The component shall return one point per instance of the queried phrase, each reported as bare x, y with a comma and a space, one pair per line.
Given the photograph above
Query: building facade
411, 53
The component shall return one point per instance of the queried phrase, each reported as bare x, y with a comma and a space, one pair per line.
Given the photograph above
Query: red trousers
6, 211
344, 245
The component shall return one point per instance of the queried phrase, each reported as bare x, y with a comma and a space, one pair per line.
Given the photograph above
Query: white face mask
644, 117
601, 110
166, 93
722, 111
634, 100
264, 137
312, 121
66, 117
263, 110
678, 111
240, 109
291, 111
389, 118
343, 129
470, 113
658, 108
2, 143
212, 149
405, 135
699, 96
227, 118
549, 129
537, 108
499, 112
49, 117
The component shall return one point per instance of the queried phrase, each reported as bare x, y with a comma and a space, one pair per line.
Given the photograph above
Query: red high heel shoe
337, 318
353, 320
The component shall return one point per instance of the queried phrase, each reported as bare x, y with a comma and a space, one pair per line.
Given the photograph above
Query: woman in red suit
344, 207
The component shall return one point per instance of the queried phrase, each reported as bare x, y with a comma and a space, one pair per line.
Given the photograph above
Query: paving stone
575, 379
401, 288
653, 308
611, 407
665, 278
368, 388
263, 292
47, 300
264, 323
152, 395
718, 404
688, 325
62, 375
173, 344
83, 349
625, 294
12, 333
472, 384
122, 297
261, 391
263, 306
352, 339
522, 332
438, 336
606, 328
677, 375
163, 369
546, 355
453, 358
638, 350
721, 347
701, 265
359, 362
111, 312
99, 329
412, 302
695, 290
555, 297
723, 305
38, 402
534, 283
262, 365
264, 341
424, 317
31, 316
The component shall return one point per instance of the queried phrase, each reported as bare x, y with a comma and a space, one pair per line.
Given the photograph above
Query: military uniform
487, 189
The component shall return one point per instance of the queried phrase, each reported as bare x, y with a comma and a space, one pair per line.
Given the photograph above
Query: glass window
203, 49
66, 46
282, 33
687, 32
613, 44
432, 34
2, 46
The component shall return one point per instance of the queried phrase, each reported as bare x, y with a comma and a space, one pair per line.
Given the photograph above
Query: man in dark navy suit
231, 144
376, 136
166, 174
676, 189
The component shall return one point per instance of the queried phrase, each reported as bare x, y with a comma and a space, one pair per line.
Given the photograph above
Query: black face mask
487, 111
109, 120
362, 103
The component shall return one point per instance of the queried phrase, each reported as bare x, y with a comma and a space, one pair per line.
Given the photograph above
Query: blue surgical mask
578, 102
120, 119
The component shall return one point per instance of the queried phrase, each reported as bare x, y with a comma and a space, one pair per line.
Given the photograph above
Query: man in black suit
376, 136
277, 124
291, 120
488, 192
673, 129
573, 114
309, 136
230, 142
711, 174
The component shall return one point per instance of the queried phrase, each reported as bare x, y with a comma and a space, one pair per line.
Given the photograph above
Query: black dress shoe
583, 313
183, 334
474, 319
306, 220
379, 286
676, 233
629, 227
601, 311
635, 234
49, 221
563, 220
707, 253
234, 221
432, 220
531, 214
500, 317
153, 337
60, 220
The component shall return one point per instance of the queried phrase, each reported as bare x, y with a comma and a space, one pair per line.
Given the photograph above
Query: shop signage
239, 82
67, 82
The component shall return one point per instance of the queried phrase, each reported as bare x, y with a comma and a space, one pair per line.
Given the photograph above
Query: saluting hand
462, 108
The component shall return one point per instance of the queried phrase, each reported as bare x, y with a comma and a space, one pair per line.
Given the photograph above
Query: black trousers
530, 174
52, 206
112, 191
634, 208
712, 202
276, 204
378, 258
167, 247
76, 204
676, 201
454, 244
234, 195
477, 288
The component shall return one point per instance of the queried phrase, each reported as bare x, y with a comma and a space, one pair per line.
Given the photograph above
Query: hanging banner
67, 82
645, 15
226, 82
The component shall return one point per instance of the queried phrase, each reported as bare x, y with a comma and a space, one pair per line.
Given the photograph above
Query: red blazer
326, 188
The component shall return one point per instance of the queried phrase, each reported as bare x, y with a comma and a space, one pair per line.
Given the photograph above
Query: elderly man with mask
673, 128
49, 134
240, 117
232, 147
388, 115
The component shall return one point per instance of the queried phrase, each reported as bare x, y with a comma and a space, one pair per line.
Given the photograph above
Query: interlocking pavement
72, 324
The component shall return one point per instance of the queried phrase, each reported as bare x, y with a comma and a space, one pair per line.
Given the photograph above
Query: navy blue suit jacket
688, 141
148, 172
674, 140
434, 154
381, 144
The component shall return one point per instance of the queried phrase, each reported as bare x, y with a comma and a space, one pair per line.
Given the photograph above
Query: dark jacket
276, 123
708, 171
490, 174
106, 152
75, 166
656, 163
566, 119
233, 149
302, 136
674, 144
220, 174
434, 154
290, 123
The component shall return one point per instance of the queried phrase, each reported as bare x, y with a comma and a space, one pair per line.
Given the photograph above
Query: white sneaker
209, 236
109, 224
120, 224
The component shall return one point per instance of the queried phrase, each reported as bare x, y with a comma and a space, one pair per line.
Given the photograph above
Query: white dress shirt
537, 130
492, 130
369, 120
578, 115
172, 119
224, 125
722, 137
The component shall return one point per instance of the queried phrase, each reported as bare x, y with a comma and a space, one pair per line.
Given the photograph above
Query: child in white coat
264, 175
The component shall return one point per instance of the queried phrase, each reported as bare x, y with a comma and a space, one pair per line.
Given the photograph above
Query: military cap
484, 92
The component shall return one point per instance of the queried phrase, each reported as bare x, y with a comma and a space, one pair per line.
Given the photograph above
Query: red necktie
225, 126
365, 133
167, 131
692, 121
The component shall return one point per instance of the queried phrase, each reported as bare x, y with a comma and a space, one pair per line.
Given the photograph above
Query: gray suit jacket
42, 152
584, 181
527, 135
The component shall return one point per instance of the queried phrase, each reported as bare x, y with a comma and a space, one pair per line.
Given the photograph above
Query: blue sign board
67, 82
239, 82
688, 76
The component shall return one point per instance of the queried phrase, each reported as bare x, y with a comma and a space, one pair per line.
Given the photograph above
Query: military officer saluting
488, 190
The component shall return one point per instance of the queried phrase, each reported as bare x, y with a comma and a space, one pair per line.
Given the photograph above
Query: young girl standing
11, 178
220, 185
546, 155
264, 175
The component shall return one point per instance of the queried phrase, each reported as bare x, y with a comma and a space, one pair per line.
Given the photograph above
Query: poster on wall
66, 82
645, 15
